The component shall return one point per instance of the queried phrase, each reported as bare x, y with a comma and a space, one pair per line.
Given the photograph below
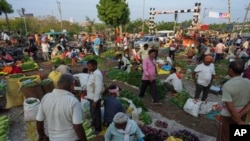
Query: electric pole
22, 14
143, 9
245, 18
229, 12
60, 12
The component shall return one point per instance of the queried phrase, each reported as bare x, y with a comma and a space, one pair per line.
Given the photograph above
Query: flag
218, 15
224, 15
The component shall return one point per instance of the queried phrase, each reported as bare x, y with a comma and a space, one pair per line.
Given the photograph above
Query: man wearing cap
123, 129
203, 77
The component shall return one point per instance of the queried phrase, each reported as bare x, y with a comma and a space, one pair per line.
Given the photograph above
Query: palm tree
6, 8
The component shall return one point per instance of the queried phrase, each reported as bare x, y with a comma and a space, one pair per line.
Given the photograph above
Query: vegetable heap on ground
180, 99
28, 66
133, 78
88, 130
143, 116
4, 127
185, 135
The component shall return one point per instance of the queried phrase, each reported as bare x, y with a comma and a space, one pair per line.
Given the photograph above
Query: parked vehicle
150, 40
165, 35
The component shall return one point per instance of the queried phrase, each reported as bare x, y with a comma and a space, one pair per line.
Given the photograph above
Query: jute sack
32, 88
48, 86
14, 96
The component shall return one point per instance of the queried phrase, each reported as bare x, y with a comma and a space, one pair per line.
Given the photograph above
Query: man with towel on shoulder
203, 76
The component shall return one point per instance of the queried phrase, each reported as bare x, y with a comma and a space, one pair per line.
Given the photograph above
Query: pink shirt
148, 66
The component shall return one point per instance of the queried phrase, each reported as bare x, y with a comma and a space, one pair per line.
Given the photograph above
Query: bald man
203, 77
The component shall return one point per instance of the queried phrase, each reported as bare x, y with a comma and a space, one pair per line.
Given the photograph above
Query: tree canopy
6, 8
113, 12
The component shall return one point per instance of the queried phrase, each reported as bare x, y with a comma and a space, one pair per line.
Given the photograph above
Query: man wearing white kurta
94, 93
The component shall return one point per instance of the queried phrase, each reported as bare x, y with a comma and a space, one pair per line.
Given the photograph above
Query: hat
192, 45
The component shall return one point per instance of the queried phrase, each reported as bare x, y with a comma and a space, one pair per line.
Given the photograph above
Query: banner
218, 15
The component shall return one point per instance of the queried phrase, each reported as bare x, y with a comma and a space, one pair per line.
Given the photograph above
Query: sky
79, 9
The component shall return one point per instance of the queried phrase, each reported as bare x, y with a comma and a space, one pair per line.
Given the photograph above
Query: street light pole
22, 14
204, 14
143, 8
59, 8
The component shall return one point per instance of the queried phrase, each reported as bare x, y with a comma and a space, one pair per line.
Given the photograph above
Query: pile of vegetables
28, 66
28, 82
89, 57
161, 124
45, 82
88, 130
143, 116
31, 101
185, 135
4, 127
18, 75
136, 100
180, 99
3, 84
134, 78
149, 130
108, 54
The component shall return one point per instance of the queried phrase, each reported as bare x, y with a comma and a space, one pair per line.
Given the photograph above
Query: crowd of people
235, 95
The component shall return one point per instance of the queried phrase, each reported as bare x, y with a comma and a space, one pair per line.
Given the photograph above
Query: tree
113, 12
6, 8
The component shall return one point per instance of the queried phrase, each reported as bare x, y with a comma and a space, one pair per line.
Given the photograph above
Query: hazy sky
78, 9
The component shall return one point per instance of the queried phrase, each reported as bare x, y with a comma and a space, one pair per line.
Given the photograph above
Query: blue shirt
97, 41
111, 107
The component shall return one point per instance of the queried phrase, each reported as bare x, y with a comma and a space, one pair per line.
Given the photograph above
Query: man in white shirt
219, 51
45, 50
173, 82
62, 112
95, 88
143, 52
83, 78
124, 63
205, 73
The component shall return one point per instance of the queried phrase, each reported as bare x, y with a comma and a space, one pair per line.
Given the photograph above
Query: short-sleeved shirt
111, 107
235, 90
205, 74
60, 109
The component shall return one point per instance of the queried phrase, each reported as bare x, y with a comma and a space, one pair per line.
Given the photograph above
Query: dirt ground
201, 124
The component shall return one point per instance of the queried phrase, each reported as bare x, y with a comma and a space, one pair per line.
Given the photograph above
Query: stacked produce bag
4, 127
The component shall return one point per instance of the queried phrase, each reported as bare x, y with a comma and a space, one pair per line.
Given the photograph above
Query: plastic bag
85, 104
205, 108
192, 107
30, 107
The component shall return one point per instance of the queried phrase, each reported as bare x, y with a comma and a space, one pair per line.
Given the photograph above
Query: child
16, 68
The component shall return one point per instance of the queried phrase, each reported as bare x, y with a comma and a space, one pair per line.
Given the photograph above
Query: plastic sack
205, 108
85, 104
166, 67
54, 76
30, 107
192, 107
14, 96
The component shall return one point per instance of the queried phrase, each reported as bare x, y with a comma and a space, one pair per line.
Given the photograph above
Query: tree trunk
7, 21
